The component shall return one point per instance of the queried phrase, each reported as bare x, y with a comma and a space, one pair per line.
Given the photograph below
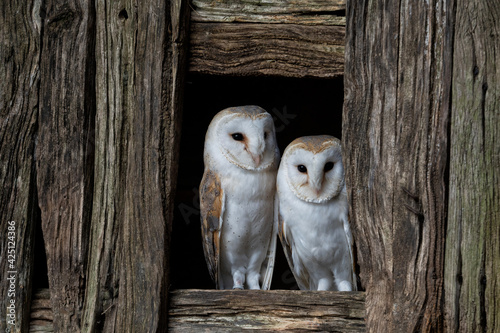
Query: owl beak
256, 159
316, 186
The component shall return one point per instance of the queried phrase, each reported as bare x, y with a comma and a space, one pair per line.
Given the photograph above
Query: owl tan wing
212, 212
288, 246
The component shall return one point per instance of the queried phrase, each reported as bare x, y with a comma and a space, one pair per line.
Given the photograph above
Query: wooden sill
193, 310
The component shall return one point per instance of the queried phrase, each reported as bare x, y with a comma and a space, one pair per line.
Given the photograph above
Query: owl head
312, 167
245, 136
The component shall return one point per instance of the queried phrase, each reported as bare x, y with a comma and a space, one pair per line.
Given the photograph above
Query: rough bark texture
19, 73
397, 86
64, 152
266, 311
139, 84
279, 38
473, 237
289, 50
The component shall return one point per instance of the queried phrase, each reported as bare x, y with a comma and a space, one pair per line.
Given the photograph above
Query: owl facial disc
247, 140
314, 169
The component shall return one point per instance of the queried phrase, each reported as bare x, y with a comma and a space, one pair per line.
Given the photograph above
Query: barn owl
312, 214
237, 198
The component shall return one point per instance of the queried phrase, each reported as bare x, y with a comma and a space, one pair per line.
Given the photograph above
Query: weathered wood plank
267, 49
64, 152
42, 316
314, 12
19, 73
265, 311
473, 236
140, 68
396, 111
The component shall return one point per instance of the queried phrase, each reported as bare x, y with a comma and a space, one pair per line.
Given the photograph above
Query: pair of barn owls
242, 209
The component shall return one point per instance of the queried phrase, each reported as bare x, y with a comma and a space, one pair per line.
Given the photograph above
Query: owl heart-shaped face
247, 140
313, 167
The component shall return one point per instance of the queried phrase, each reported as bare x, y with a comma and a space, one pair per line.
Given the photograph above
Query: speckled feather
211, 201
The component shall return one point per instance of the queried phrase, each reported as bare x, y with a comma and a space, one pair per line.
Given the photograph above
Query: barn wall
420, 125
90, 120
91, 100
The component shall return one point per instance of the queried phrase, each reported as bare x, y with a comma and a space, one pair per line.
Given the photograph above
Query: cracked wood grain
266, 311
64, 152
140, 68
396, 113
473, 237
311, 12
258, 49
20, 54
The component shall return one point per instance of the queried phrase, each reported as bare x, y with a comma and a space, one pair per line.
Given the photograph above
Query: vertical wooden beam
397, 83
64, 152
473, 237
140, 70
19, 72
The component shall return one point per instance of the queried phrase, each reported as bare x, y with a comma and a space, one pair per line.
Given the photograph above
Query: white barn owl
237, 198
312, 214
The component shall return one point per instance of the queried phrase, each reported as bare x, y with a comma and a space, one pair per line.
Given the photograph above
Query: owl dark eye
237, 136
302, 168
328, 166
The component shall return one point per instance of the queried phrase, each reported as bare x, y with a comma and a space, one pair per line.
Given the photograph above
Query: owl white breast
237, 198
313, 210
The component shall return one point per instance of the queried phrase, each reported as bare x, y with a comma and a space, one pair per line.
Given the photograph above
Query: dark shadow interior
40, 278
300, 107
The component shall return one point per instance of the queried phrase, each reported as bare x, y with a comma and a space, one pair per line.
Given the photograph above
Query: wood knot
123, 15
62, 19
475, 71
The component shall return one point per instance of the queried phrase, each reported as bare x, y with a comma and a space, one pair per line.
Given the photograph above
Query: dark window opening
300, 107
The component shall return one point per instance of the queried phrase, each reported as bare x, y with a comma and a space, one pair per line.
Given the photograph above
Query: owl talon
237, 288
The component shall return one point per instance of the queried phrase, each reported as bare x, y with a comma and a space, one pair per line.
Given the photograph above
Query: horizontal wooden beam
193, 310
314, 12
256, 49
276, 310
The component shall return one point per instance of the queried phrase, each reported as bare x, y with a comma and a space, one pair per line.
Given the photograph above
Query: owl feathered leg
343, 280
253, 280
238, 279
325, 284
344, 285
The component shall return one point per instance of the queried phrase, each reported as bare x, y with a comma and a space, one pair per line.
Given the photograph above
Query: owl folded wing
268, 264
299, 272
349, 240
212, 211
